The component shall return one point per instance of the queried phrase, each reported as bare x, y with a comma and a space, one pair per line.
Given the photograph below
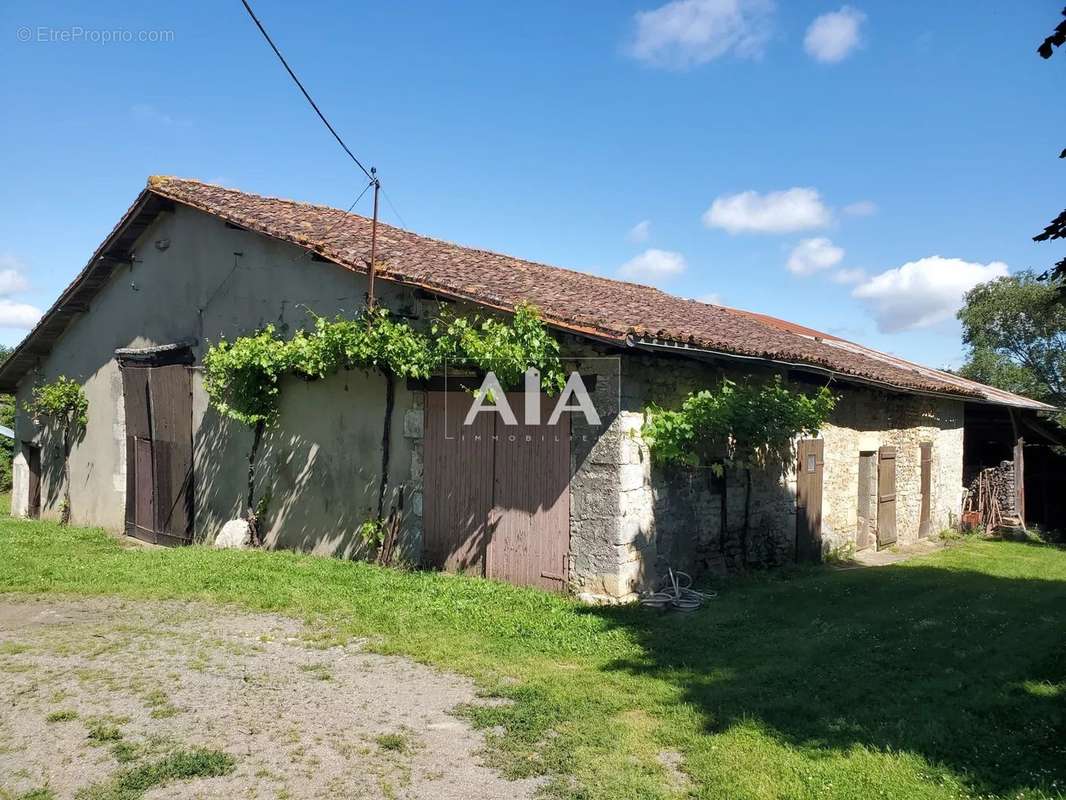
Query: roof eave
113, 252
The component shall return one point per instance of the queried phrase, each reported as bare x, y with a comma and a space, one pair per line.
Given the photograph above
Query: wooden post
1019, 469
373, 245
1019, 480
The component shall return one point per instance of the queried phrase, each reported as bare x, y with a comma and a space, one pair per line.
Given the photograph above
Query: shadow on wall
53, 485
317, 474
963, 669
220, 456
315, 501
690, 505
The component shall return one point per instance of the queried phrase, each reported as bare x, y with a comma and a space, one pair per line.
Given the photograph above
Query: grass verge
134, 782
944, 677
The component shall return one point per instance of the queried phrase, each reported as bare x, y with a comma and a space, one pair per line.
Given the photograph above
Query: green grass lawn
942, 677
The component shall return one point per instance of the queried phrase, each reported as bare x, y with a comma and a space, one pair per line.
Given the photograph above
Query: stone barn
575, 506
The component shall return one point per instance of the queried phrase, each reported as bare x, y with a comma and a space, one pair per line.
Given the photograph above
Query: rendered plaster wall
195, 279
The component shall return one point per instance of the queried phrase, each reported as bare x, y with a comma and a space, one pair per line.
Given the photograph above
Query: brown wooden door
809, 500
159, 468
33, 465
531, 501
457, 484
144, 496
867, 516
886, 496
927, 487
170, 398
496, 498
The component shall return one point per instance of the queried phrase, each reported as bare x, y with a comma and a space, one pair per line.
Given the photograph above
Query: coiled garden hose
677, 594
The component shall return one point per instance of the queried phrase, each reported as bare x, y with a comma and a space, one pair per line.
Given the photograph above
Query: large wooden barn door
927, 488
886, 496
531, 502
457, 485
159, 467
496, 497
809, 500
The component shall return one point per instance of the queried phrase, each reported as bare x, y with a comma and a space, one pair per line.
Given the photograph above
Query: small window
812, 462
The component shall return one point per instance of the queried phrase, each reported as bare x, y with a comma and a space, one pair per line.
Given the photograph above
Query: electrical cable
314, 105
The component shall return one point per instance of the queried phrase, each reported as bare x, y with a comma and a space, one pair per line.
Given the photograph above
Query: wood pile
990, 498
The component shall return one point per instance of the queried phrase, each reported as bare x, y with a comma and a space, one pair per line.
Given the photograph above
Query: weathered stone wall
630, 519
864, 421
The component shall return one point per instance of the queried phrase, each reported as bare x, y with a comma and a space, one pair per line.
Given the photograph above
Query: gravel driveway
96, 694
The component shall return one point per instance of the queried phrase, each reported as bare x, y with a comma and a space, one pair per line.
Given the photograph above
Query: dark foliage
1056, 39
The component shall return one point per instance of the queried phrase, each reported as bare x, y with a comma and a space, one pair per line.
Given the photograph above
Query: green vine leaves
242, 377
742, 425
62, 400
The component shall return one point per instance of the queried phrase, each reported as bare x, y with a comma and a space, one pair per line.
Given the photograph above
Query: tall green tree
1015, 328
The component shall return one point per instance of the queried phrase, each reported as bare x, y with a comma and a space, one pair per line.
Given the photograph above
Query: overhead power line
314, 105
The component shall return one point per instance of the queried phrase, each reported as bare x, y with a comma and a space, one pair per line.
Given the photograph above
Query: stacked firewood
990, 498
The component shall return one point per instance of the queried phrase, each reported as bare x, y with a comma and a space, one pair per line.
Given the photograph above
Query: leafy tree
1015, 328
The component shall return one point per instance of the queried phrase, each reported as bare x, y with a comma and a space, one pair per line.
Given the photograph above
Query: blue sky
788, 158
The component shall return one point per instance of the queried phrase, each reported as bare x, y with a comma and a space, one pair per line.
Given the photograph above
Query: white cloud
653, 265
713, 298
849, 276
18, 315
862, 208
832, 37
686, 33
640, 232
795, 209
812, 255
924, 292
11, 281
12, 278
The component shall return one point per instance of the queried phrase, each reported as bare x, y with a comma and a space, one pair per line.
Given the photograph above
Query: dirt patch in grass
114, 700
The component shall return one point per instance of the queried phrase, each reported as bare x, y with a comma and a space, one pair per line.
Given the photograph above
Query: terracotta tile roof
586, 304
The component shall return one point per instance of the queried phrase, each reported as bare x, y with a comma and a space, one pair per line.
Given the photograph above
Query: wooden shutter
886, 496
927, 485
809, 500
867, 500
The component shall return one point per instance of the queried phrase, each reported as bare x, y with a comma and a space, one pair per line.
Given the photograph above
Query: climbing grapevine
63, 402
737, 426
242, 377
